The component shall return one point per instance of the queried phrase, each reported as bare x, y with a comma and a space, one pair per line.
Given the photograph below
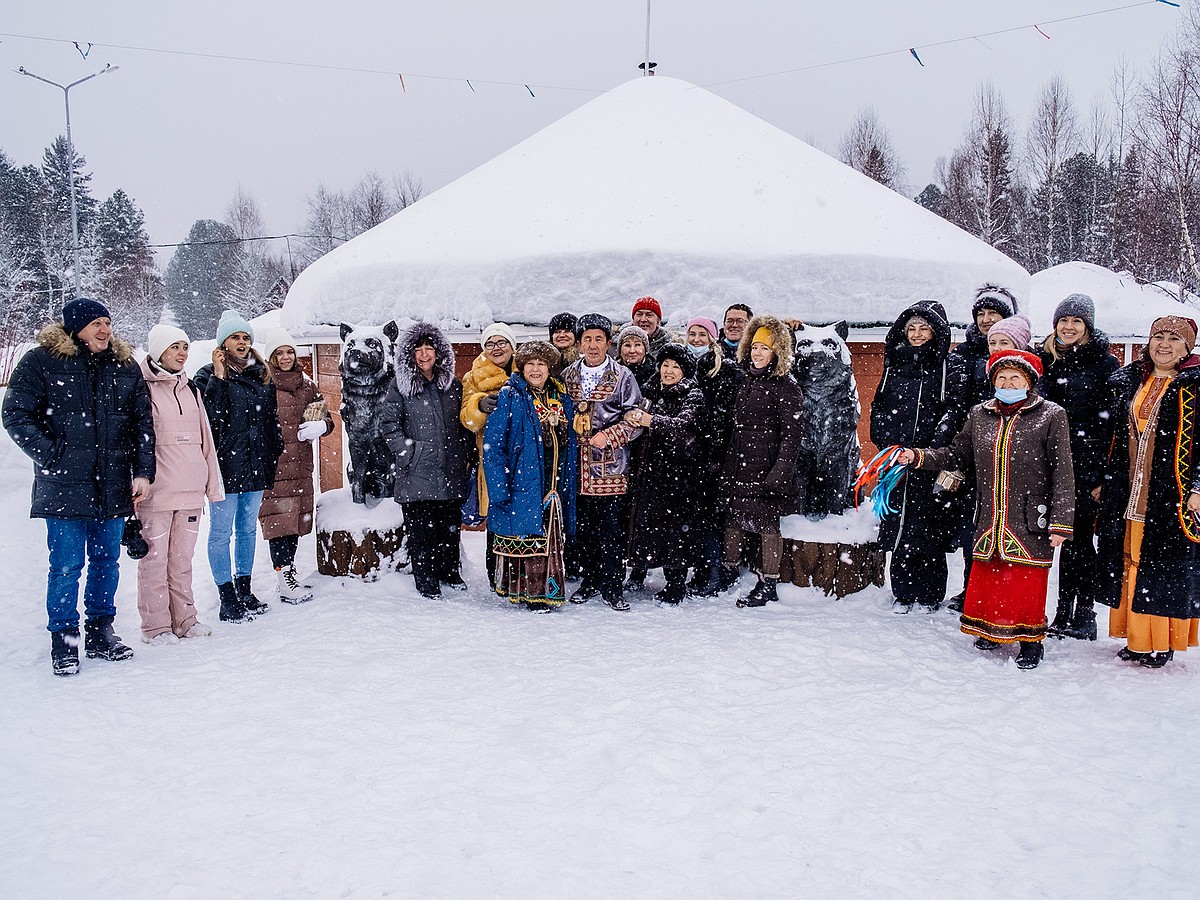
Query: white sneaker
160, 640
289, 588
198, 630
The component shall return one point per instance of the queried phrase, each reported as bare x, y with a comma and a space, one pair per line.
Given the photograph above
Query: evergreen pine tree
128, 279
200, 277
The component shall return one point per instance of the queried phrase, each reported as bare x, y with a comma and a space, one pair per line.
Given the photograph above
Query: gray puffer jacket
419, 420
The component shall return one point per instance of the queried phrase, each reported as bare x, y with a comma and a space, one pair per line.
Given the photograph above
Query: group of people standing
1016, 450
602, 453
127, 450
594, 455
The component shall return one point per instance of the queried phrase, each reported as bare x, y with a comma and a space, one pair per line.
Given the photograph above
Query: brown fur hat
547, 353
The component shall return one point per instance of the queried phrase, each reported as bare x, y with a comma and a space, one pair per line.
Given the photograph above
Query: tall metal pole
648, 72
66, 89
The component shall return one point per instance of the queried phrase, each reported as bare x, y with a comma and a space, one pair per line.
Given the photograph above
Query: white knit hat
161, 337
275, 339
498, 329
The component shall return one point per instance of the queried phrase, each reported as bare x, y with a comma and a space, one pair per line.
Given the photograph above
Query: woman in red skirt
1020, 447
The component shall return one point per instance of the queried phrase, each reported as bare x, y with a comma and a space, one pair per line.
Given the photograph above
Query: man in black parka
78, 405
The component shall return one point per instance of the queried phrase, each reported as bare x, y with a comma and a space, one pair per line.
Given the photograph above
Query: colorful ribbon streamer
880, 477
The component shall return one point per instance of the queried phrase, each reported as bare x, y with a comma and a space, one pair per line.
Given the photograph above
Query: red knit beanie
1029, 363
647, 303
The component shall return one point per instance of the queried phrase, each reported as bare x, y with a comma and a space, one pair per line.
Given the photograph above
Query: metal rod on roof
648, 71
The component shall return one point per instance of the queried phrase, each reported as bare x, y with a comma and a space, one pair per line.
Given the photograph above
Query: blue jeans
69, 541
236, 516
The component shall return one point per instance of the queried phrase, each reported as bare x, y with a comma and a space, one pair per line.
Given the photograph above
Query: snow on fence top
656, 187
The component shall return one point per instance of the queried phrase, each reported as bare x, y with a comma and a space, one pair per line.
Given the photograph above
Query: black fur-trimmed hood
409, 379
785, 348
933, 313
54, 338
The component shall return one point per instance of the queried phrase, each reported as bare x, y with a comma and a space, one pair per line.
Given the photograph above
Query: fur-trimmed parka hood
55, 339
409, 379
785, 347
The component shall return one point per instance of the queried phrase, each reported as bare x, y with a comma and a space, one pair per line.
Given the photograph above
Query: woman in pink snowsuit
170, 514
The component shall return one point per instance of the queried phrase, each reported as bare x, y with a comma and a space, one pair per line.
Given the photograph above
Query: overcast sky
181, 133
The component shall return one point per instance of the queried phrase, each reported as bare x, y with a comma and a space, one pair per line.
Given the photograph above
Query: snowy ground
372, 743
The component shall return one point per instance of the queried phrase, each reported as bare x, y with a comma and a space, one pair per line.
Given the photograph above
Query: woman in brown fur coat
763, 449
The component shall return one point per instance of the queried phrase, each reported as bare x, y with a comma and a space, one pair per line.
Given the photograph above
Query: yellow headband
764, 336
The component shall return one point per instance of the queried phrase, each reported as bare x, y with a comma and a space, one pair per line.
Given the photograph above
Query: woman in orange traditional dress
1150, 502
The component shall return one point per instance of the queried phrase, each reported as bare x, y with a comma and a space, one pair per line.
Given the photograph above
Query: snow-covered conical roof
656, 187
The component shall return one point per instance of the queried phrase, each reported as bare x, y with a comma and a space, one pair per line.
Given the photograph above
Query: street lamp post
66, 89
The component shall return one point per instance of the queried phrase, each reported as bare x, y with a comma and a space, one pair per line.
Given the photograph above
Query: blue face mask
696, 351
1011, 395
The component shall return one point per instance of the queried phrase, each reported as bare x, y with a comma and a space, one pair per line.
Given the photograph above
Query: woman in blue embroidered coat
1019, 446
529, 461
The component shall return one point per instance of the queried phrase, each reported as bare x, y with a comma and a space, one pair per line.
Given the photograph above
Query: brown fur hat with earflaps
542, 350
784, 344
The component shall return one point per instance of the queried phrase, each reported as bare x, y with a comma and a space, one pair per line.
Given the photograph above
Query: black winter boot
636, 582
99, 641
585, 592
982, 643
956, 603
1083, 624
1157, 660
727, 578
762, 593
618, 602
232, 608
1030, 655
64, 651
675, 590
253, 605
1062, 619
1127, 655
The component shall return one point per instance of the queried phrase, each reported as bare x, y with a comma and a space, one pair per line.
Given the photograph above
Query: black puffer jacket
1168, 573
666, 466
419, 420
1078, 382
245, 425
720, 394
643, 371
86, 421
922, 388
972, 355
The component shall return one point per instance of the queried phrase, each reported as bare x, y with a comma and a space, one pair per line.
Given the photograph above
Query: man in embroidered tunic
602, 391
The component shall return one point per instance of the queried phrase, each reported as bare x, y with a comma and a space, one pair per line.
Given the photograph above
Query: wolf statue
366, 367
829, 452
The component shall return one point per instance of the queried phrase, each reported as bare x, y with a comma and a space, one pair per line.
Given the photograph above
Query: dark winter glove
487, 403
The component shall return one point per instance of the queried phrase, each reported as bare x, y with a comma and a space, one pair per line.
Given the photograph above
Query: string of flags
85, 48
913, 50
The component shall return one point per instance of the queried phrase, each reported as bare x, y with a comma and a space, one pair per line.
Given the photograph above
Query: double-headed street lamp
66, 89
